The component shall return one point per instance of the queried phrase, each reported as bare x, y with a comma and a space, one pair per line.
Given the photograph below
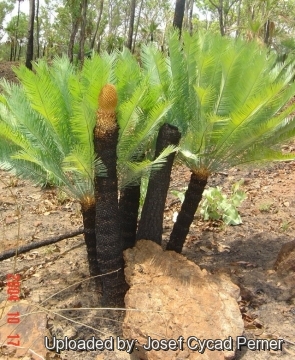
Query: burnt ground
246, 252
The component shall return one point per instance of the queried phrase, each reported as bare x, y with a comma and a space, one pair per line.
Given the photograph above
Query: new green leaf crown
229, 98
46, 124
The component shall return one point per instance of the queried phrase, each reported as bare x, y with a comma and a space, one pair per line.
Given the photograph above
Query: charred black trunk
30, 45
179, 15
151, 222
129, 205
109, 246
88, 214
193, 196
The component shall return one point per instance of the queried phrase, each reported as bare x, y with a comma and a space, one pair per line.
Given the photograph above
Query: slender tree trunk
11, 50
88, 214
267, 33
38, 29
129, 206
74, 31
97, 24
150, 226
30, 46
179, 14
19, 51
193, 196
131, 24
137, 25
221, 19
191, 10
109, 246
238, 19
16, 30
83, 32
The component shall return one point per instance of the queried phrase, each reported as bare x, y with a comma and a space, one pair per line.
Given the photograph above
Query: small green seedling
216, 205
285, 225
265, 207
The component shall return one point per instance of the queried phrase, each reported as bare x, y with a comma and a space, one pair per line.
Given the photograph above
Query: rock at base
173, 297
285, 262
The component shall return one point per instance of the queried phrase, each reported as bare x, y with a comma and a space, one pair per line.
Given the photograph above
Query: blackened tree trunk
109, 246
193, 196
150, 226
88, 214
30, 46
131, 24
179, 14
129, 206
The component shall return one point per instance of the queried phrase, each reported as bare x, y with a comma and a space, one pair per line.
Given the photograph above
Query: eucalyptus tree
30, 43
6, 7
16, 30
131, 24
179, 14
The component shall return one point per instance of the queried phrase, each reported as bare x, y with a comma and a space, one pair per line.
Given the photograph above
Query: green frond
126, 74
259, 155
242, 100
46, 99
96, 72
133, 171
82, 123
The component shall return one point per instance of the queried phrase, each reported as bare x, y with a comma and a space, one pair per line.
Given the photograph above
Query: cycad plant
243, 114
47, 122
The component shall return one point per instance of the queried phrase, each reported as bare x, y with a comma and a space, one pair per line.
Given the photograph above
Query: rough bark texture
109, 246
151, 222
128, 206
88, 214
179, 14
30, 46
131, 24
187, 212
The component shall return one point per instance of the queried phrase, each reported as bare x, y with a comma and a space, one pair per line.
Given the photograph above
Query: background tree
179, 14
81, 51
131, 24
5, 8
30, 44
17, 31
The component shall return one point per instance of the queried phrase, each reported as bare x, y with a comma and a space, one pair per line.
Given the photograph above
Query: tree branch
37, 244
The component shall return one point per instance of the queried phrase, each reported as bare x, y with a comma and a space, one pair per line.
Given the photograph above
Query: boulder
285, 267
285, 263
172, 298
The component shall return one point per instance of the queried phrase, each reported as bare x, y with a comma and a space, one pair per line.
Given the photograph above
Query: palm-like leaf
47, 122
242, 103
242, 113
